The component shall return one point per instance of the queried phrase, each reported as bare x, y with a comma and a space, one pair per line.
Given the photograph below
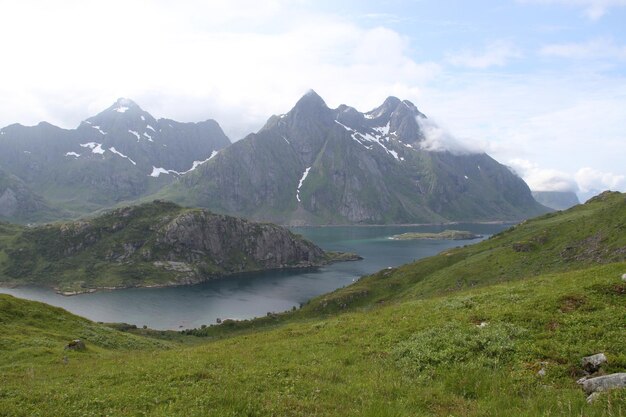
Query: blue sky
538, 84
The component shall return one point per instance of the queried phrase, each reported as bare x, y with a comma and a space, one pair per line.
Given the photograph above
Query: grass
403, 342
420, 357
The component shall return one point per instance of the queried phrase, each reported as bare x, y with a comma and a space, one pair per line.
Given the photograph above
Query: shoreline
347, 257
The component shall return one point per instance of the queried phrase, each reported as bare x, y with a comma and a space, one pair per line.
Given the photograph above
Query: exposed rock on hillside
153, 244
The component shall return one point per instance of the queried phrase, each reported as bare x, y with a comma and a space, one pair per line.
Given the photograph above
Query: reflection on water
253, 295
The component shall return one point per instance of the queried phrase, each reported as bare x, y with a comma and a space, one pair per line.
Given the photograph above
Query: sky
540, 85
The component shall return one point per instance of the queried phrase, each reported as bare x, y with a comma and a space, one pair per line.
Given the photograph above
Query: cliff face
154, 244
199, 236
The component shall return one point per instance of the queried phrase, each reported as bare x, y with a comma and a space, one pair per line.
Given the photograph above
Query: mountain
119, 154
19, 203
504, 339
316, 165
154, 244
557, 200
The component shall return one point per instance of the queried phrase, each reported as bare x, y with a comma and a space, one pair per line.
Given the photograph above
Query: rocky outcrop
199, 234
154, 244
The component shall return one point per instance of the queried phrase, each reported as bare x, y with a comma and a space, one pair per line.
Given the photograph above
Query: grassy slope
580, 237
418, 353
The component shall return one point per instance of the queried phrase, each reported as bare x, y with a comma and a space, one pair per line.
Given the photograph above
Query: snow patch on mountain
196, 164
148, 136
99, 130
95, 147
132, 132
304, 175
115, 151
74, 154
122, 109
156, 172
143, 118
151, 128
367, 137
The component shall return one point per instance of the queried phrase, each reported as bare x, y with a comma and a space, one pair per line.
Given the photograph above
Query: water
253, 295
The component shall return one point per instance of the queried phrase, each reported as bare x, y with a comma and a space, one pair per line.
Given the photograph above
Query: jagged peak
311, 98
123, 104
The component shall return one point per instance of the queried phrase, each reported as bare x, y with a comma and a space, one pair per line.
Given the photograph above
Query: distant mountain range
316, 165
557, 200
120, 154
312, 165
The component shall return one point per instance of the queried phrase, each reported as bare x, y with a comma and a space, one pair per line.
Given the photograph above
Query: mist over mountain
317, 165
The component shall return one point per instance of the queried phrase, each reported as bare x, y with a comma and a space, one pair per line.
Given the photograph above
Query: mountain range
312, 165
119, 154
317, 165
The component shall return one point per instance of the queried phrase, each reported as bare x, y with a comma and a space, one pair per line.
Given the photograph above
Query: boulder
624, 277
604, 383
592, 363
76, 344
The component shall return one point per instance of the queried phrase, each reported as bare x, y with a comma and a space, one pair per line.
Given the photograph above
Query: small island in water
446, 234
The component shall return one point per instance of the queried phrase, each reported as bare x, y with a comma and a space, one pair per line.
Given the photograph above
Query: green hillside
424, 339
153, 244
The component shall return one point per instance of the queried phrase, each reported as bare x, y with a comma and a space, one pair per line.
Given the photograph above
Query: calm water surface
253, 295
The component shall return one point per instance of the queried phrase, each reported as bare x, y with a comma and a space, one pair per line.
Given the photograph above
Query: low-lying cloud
439, 139
585, 181
592, 180
542, 179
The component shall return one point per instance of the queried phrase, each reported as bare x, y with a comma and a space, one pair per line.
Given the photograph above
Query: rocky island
149, 245
446, 234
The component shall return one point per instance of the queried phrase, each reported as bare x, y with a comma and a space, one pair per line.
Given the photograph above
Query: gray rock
76, 344
592, 363
624, 277
592, 397
542, 372
604, 383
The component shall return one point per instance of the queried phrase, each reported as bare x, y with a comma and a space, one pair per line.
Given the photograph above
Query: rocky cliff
153, 244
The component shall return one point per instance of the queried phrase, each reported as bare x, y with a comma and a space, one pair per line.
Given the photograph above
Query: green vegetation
420, 340
152, 244
446, 234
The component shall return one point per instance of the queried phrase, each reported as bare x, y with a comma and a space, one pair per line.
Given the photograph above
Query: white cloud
496, 54
439, 139
592, 49
593, 180
542, 179
593, 9
235, 61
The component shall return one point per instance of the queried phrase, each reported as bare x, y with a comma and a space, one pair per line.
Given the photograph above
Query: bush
455, 343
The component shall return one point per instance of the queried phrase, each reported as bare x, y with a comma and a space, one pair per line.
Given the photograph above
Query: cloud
439, 139
593, 9
496, 54
235, 61
592, 180
592, 49
542, 179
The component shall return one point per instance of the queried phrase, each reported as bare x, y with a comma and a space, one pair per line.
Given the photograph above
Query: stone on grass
604, 383
76, 345
592, 363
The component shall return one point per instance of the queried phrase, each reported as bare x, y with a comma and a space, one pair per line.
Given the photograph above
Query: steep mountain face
153, 244
316, 165
557, 200
119, 154
19, 203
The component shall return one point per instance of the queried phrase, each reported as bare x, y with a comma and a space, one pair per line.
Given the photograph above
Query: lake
253, 295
